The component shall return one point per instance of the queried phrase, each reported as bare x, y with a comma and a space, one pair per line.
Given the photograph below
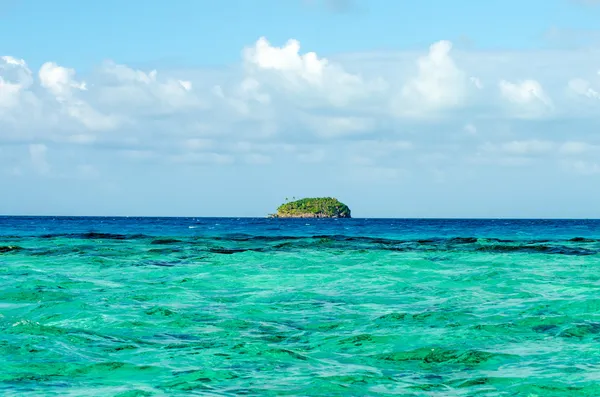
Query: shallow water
169, 307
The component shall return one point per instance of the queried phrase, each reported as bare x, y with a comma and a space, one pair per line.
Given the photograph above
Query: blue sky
424, 108
196, 32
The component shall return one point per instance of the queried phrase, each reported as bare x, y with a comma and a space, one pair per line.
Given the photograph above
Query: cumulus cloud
144, 92
307, 74
526, 98
439, 82
59, 81
284, 104
15, 79
9, 93
17, 69
439, 85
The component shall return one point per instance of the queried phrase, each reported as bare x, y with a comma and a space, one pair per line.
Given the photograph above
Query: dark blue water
399, 228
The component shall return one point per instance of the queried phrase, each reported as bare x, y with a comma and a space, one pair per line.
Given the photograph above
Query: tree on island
320, 207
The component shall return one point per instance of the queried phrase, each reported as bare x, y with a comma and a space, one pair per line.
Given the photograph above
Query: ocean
299, 307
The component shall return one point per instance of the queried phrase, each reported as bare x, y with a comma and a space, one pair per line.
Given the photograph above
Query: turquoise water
224, 307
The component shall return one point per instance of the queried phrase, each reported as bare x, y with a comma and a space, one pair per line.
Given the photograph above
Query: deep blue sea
299, 307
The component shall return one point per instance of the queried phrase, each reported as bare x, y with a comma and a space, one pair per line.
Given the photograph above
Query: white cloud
527, 97
306, 74
439, 83
16, 70
307, 68
89, 117
583, 87
476, 82
373, 110
8, 93
187, 85
247, 99
15, 78
250, 89
59, 81
62, 84
145, 93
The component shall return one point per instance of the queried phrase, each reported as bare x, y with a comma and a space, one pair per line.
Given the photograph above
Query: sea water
348, 307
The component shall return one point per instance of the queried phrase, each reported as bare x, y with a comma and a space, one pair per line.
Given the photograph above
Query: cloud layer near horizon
380, 116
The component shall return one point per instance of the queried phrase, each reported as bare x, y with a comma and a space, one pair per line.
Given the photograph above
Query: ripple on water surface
138, 308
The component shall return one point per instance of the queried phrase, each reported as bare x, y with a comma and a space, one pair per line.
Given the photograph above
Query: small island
320, 207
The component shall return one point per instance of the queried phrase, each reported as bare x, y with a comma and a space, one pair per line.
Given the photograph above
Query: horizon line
267, 217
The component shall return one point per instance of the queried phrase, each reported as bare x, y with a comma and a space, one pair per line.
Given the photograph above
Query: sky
404, 108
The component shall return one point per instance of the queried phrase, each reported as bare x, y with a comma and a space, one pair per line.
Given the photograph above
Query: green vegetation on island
321, 207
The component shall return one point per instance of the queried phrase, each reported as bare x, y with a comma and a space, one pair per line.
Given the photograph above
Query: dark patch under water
239, 244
